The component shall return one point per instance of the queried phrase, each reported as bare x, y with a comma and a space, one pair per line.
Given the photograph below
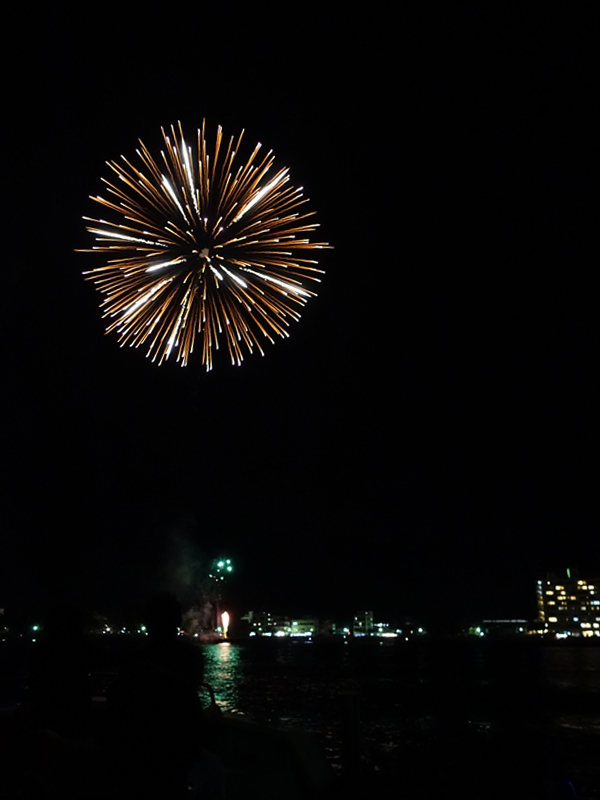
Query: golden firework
202, 247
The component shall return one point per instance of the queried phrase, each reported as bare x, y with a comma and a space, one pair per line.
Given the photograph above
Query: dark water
464, 718
518, 719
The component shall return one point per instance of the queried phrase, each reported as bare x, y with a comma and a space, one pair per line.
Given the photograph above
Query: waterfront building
363, 623
263, 623
303, 627
326, 627
384, 629
259, 622
569, 606
504, 627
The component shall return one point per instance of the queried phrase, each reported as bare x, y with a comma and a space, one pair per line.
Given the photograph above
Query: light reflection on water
418, 702
223, 670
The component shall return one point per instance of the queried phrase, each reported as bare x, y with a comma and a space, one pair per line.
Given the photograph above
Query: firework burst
202, 247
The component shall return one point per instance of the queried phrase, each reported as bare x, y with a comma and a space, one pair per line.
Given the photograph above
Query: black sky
425, 440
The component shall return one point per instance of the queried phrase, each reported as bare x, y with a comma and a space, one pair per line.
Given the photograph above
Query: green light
221, 564
568, 573
143, 628
35, 628
229, 569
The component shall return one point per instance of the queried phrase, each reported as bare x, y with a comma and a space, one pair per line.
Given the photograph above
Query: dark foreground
471, 719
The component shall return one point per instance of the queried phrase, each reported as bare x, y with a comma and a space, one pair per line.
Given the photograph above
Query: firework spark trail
202, 247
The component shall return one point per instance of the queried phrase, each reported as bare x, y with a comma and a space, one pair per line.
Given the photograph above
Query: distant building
263, 623
363, 623
385, 629
504, 627
259, 622
569, 606
326, 627
304, 627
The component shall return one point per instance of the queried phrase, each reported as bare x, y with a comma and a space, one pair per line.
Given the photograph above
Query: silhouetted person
154, 713
154, 728
164, 648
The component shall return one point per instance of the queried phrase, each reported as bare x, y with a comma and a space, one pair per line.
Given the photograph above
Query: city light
566, 608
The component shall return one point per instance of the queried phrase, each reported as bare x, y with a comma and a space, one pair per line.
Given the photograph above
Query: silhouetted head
163, 616
154, 732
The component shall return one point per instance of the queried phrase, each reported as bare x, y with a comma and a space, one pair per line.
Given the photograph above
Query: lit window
559, 587
549, 591
575, 619
552, 619
551, 603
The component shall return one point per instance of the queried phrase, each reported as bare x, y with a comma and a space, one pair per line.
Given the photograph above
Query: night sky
423, 443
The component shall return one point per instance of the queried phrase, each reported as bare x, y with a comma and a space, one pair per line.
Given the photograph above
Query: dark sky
423, 443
